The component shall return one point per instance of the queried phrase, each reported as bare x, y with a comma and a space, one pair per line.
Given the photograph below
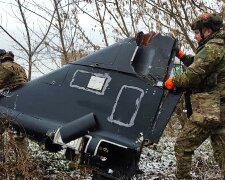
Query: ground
157, 162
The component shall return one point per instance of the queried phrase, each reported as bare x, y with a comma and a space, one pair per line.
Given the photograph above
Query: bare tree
65, 33
111, 20
176, 16
63, 41
119, 19
29, 46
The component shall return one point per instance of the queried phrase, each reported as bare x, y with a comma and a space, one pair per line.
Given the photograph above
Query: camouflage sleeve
204, 63
5, 74
187, 60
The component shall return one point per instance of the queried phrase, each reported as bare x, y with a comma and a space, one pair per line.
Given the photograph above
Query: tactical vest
16, 75
216, 80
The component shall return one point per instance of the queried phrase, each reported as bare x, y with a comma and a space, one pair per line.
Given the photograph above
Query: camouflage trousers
181, 115
207, 121
191, 137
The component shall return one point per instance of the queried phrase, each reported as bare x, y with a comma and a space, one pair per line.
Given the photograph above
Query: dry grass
17, 162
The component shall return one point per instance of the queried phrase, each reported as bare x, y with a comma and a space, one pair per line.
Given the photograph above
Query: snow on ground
156, 162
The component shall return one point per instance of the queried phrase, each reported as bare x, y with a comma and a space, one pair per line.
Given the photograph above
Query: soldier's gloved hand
180, 53
169, 84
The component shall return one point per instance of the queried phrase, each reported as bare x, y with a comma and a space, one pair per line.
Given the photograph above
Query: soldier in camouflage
205, 75
12, 76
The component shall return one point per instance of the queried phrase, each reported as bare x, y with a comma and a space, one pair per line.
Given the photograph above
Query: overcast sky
9, 20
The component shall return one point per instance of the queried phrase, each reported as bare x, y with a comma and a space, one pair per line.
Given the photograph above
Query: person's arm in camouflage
204, 63
187, 60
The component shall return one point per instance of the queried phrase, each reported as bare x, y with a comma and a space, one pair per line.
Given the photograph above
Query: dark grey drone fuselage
102, 106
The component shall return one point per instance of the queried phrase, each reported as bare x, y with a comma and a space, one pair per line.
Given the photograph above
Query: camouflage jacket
206, 70
11, 75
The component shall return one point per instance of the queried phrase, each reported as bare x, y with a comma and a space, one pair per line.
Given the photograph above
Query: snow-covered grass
157, 162
55, 166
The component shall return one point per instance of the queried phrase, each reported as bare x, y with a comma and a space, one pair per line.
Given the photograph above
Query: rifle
188, 106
